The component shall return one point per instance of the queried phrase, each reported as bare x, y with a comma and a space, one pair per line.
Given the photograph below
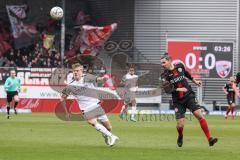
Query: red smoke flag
4, 45
91, 39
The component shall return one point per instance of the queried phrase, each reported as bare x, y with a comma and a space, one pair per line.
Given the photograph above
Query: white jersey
130, 81
84, 91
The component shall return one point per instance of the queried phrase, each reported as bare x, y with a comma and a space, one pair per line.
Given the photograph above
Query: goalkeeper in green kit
12, 87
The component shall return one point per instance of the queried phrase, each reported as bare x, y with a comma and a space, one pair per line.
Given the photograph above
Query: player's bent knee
109, 128
198, 114
180, 123
92, 122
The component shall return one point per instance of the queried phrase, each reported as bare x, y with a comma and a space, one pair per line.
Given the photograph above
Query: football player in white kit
130, 87
82, 87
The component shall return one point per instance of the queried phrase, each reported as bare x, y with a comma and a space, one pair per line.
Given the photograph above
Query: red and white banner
23, 34
91, 39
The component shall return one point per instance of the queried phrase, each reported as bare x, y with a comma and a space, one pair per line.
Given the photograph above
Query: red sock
228, 110
180, 131
204, 127
232, 110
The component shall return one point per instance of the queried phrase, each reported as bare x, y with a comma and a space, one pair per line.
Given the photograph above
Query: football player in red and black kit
183, 97
230, 89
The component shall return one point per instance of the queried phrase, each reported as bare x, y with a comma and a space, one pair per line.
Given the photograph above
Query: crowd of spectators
32, 56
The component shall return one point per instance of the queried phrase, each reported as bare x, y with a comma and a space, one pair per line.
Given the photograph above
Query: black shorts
10, 95
230, 100
181, 106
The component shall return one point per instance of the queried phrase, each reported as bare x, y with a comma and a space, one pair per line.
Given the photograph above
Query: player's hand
198, 83
105, 78
182, 89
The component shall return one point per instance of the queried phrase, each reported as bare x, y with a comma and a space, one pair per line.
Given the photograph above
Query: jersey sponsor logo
177, 79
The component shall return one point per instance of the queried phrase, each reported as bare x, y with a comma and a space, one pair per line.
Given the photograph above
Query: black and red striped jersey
177, 77
229, 89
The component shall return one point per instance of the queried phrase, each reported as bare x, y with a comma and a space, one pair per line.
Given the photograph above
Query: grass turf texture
43, 136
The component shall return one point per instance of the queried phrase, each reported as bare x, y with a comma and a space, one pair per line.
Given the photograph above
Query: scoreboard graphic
203, 59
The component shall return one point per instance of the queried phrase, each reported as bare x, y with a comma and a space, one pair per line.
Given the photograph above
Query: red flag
91, 38
110, 83
23, 34
4, 47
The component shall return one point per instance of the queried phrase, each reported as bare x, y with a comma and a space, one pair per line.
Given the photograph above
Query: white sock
102, 129
134, 110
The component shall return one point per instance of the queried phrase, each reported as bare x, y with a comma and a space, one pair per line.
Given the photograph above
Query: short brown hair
76, 65
167, 57
12, 69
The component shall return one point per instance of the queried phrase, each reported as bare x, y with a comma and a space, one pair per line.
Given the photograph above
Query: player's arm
225, 89
123, 82
168, 87
102, 79
7, 84
235, 88
189, 76
63, 100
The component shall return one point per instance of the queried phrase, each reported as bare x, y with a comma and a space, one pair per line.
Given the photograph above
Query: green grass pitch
43, 136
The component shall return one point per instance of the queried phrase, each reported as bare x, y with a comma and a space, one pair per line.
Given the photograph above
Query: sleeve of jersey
124, 78
6, 84
186, 73
66, 91
225, 86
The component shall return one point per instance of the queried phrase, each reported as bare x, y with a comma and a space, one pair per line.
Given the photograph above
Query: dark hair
167, 57
131, 66
12, 69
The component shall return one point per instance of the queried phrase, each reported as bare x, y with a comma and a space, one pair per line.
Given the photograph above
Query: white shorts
102, 118
129, 96
97, 113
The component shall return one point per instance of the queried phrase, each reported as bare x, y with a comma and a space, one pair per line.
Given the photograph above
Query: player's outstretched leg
123, 111
134, 110
106, 123
15, 101
204, 126
232, 111
99, 127
8, 110
15, 106
180, 126
227, 112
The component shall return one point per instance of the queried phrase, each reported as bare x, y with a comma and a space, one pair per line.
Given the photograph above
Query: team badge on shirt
179, 69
